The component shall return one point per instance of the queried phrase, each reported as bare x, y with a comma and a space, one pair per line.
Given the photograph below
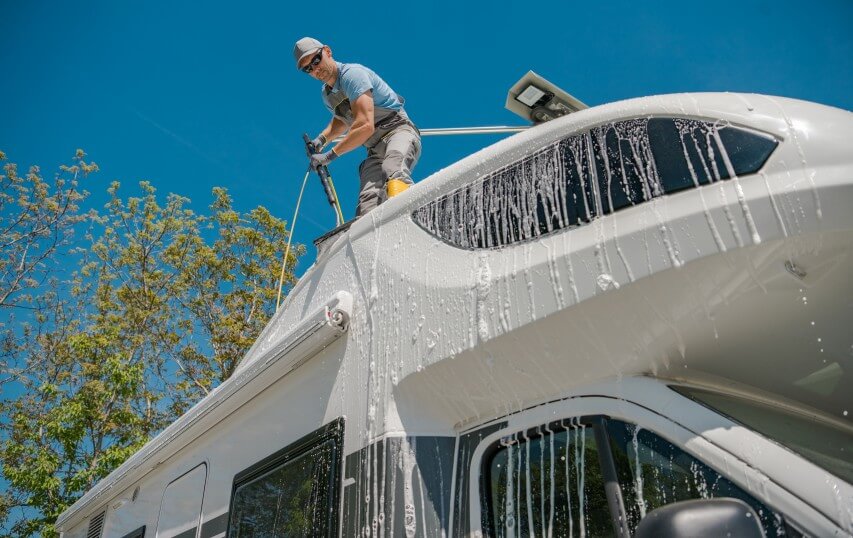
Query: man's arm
335, 128
362, 126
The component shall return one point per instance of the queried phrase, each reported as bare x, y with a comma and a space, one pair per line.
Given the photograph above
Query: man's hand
319, 142
323, 159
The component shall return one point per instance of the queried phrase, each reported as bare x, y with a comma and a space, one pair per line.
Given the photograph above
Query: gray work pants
393, 156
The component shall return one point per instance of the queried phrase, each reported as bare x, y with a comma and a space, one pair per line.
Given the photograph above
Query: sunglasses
314, 61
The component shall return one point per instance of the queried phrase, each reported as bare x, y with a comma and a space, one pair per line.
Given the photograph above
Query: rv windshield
821, 442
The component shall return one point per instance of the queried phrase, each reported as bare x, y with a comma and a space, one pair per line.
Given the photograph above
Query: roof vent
96, 525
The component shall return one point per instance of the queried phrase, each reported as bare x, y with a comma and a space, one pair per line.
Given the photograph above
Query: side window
548, 481
689, 152
294, 492
590, 174
623, 164
654, 472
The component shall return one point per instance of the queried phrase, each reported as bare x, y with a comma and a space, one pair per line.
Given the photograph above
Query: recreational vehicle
619, 320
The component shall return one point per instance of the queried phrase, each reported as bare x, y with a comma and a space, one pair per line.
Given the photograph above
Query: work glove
319, 142
323, 159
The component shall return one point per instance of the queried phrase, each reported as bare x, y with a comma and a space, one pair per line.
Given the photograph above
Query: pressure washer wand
325, 180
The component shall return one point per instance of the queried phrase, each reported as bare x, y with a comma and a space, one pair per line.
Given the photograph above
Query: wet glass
591, 174
290, 500
689, 153
548, 483
653, 472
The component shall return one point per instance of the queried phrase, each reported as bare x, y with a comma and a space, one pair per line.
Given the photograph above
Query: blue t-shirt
355, 79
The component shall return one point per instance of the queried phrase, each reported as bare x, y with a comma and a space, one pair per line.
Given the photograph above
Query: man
371, 114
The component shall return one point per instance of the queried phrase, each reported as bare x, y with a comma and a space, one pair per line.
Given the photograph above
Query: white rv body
427, 356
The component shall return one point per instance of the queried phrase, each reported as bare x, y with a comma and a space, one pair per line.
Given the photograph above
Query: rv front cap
304, 47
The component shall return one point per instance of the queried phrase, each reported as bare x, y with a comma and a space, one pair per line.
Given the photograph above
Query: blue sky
192, 96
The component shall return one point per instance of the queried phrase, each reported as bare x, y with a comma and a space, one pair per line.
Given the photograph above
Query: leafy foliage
162, 306
37, 222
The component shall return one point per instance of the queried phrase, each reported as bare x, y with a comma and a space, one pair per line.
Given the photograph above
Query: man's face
318, 64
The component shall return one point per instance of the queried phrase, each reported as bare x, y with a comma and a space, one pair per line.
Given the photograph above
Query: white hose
289, 239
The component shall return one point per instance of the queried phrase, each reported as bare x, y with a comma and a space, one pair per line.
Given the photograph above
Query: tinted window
620, 176
688, 153
293, 493
653, 472
747, 150
544, 192
548, 481
591, 174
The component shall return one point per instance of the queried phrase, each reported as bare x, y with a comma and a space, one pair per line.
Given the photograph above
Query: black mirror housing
702, 518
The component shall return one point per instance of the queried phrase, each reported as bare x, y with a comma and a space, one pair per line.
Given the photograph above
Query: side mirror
702, 517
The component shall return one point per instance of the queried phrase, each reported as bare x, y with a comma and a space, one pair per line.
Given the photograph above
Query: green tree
37, 223
162, 307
